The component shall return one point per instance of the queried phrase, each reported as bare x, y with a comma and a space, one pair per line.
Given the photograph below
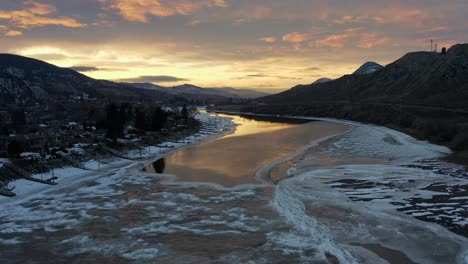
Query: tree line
144, 118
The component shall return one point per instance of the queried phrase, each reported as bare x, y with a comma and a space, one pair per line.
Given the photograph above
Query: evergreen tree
15, 148
184, 112
444, 50
159, 119
114, 122
124, 113
140, 119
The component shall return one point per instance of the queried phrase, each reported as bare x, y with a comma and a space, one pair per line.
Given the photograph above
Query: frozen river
271, 192
235, 158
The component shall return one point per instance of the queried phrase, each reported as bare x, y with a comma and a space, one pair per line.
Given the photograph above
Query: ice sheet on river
332, 208
349, 191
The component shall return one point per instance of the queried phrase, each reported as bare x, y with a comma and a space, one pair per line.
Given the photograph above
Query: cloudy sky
264, 44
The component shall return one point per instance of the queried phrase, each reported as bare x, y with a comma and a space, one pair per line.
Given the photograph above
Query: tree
444, 50
184, 112
159, 119
15, 148
124, 114
114, 122
140, 119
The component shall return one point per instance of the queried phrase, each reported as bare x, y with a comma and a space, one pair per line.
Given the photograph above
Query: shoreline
443, 150
458, 157
264, 173
25, 189
316, 132
126, 174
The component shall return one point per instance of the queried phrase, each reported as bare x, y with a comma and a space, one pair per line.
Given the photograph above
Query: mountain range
424, 94
196, 92
368, 67
27, 80
418, 78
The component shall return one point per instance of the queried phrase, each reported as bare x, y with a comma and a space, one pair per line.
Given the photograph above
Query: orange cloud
13, 33
353, 37
139, 10
339, 40
370, 40
35, 16
408, 16
8, 32
268, 39
297, 37
360, 19
350, 19
389, 15
334, 41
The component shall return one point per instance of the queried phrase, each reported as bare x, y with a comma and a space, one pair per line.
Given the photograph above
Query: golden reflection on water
248, 126
234, 159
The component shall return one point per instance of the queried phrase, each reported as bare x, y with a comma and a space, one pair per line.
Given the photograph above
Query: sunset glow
261, 44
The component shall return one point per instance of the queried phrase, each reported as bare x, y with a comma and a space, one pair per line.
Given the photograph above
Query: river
273, 191
235, 158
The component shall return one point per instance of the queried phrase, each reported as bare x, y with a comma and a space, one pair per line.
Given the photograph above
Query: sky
270, 45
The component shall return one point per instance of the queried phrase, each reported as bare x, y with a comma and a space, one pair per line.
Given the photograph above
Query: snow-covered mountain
322, 80
368, 67
418, 78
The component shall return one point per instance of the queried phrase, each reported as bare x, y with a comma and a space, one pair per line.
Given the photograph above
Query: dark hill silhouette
26, 80
423, 93
419, 78
322, 80
29, 80
368, 67
197, 93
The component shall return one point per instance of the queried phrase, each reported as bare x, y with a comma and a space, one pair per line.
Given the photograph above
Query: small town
35, 140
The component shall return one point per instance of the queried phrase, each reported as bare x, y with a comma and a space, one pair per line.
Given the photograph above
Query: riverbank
235, 159
212, 127
330, 208
434, 125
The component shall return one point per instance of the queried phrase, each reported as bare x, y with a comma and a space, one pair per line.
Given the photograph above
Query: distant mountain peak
368, 67
322, 80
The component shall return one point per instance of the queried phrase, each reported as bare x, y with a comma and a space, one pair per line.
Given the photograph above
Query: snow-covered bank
401, 148
371, 186
364, 200
213, 127
340, 204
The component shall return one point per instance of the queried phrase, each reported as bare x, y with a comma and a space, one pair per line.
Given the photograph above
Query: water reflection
157, 166
249, 124
234, 159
